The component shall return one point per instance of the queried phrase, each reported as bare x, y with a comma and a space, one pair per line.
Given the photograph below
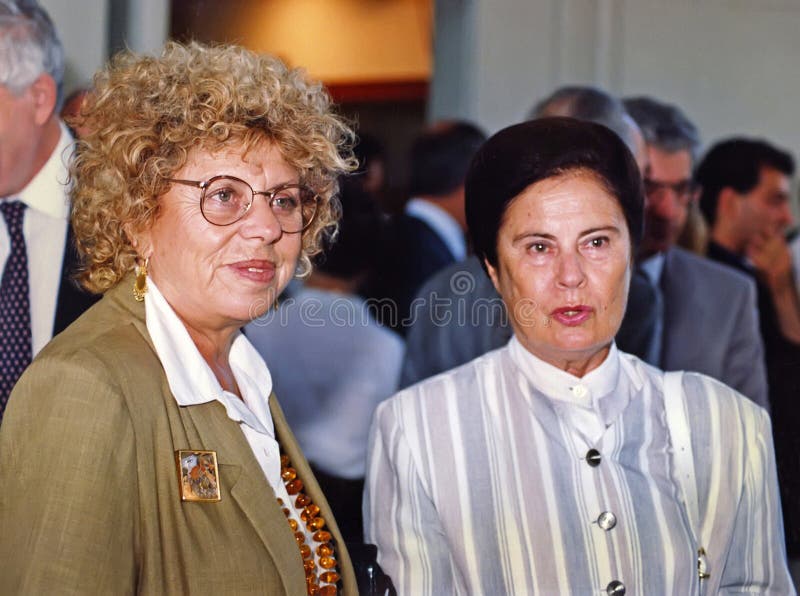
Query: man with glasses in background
709, 318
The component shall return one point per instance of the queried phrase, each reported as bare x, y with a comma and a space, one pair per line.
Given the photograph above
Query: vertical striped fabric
478, 482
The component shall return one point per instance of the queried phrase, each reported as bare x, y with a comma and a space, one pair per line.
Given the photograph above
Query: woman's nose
260, 221
570, 271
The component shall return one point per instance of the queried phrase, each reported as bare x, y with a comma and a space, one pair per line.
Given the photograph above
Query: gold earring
276, 305
140, 283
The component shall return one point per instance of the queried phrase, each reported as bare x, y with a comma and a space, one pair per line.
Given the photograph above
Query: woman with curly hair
143, 451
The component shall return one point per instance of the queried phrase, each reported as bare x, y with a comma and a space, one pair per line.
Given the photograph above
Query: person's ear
728, 204
44, 94
141, 241
493, 275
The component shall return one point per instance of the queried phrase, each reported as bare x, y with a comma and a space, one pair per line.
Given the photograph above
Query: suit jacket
72, 300
711, 323
90, 484
413, 252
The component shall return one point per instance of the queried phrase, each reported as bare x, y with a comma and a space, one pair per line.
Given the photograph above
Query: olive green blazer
89, 494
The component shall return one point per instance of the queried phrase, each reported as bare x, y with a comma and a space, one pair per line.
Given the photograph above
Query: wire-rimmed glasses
224, 200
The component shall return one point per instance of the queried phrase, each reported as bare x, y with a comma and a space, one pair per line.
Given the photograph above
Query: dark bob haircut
524, 154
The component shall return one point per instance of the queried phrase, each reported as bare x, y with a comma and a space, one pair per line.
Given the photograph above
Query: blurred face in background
669, 190
23, 117
765, 210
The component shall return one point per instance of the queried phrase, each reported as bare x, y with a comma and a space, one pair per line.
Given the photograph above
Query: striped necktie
15, 309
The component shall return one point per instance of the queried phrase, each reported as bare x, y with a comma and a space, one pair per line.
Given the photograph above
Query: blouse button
579, 391
593, 457
607, 520
615, 588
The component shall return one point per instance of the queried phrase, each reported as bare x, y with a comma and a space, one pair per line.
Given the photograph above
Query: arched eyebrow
545, 236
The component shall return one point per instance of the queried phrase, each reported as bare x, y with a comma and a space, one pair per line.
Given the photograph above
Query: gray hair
29, 46
664, 125
592, 105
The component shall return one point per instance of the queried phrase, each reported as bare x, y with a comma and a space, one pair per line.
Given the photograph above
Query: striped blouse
509, 476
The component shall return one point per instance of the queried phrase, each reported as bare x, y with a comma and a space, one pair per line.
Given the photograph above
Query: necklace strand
317, 584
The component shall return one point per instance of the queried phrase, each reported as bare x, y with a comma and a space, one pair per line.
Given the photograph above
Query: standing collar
599, 390
47, 192
444, 224
192, 381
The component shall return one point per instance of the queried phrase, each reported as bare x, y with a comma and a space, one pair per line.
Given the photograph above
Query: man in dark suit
429, 234
37, 298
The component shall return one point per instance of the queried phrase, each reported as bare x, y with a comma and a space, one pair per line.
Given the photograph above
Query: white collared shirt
444, 224
45, 231
192, 382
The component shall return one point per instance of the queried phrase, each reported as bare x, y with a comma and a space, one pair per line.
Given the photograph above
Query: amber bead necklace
317, 584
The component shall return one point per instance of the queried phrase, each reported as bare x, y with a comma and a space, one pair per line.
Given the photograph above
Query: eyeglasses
224, 200
683, 189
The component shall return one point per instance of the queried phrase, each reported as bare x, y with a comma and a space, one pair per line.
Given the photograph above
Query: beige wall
732, 65
82, 26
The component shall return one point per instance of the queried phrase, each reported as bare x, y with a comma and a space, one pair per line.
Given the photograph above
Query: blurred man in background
37, 298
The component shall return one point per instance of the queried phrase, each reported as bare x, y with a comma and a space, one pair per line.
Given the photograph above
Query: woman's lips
572, 316
255, 270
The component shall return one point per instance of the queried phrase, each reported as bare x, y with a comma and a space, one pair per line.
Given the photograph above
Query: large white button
606, 520
579, 391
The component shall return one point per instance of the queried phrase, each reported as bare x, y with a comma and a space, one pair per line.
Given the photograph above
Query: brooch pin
198, 475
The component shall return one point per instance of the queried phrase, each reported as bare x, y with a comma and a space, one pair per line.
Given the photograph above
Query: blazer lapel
249, 488
207, 426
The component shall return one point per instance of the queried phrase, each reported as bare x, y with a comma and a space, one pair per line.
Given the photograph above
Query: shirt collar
47, 192
444, 224
654, 267
192, 381
598, 390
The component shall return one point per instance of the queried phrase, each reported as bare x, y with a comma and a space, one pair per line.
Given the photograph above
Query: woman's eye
538, 247
598, 242
222, 195
285, 202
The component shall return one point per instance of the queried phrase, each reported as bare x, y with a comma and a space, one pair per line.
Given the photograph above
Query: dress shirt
349, 365
45, 230
483, 480
653, 267
442, 223
192, 382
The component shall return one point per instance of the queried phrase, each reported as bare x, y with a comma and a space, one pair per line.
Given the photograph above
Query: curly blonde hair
147, 113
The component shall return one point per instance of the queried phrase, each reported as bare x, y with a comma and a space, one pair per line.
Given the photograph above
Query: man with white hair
37, 299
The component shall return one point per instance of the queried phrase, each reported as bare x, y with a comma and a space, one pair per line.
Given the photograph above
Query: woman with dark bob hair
143, 451
558, 464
